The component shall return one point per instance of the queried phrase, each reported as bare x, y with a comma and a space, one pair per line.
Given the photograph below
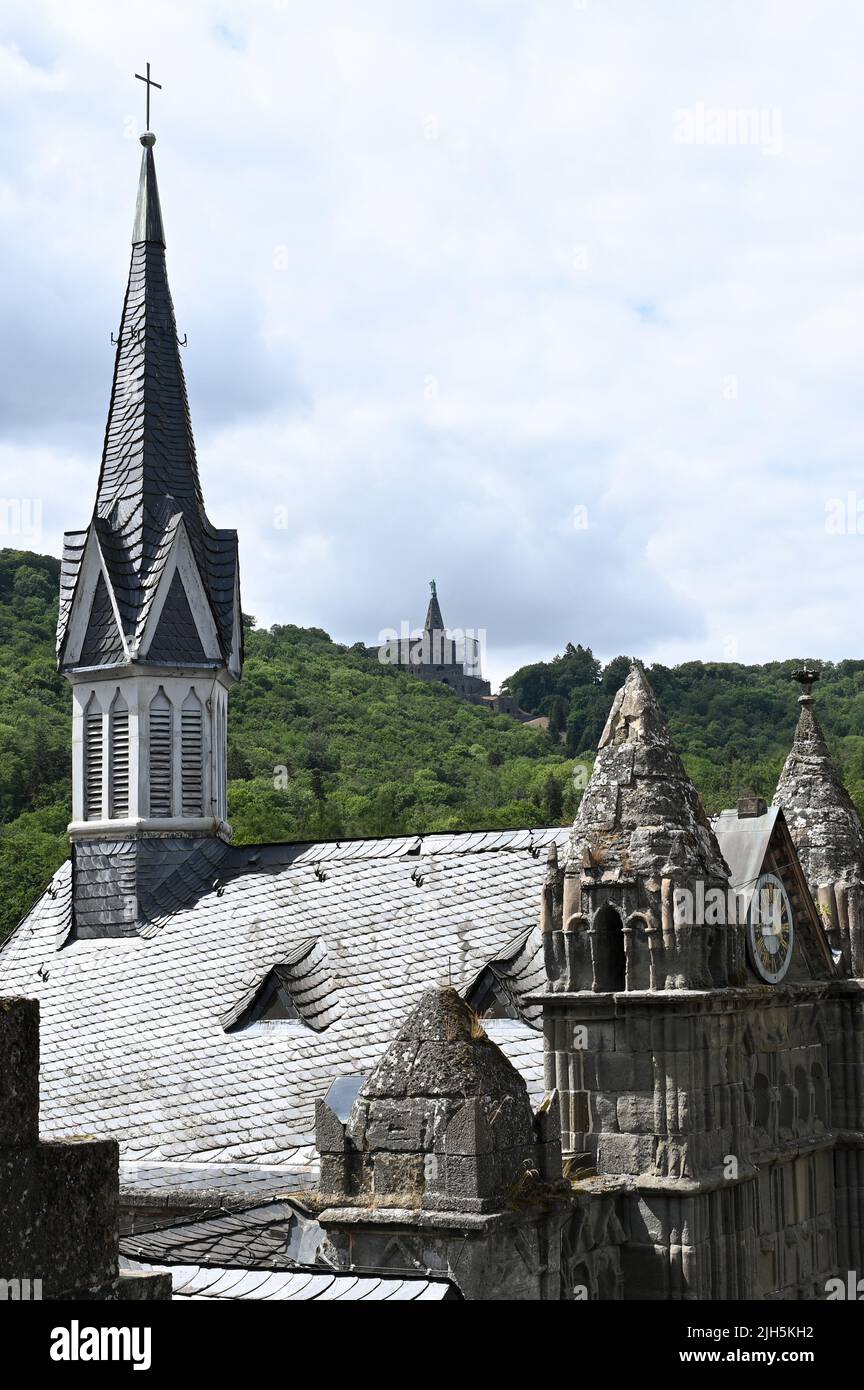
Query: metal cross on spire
150, 83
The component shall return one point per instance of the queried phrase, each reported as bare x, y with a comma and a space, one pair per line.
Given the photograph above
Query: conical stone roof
640, 813
441, 1052
819, 811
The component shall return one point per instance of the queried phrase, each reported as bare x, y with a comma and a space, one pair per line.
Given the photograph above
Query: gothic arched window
93, 751
118, 757
161, 754
192, 756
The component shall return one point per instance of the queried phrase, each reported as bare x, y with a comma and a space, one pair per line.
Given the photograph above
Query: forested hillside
324, 742
732, 723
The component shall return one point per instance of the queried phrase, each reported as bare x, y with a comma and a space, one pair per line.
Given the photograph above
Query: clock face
771, 931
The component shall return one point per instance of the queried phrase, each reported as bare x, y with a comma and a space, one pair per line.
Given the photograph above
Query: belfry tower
694, 1075
149, 631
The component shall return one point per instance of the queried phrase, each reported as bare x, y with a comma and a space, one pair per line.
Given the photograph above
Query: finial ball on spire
148, 139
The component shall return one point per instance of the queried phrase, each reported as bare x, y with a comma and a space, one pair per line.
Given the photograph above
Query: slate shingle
133, 1040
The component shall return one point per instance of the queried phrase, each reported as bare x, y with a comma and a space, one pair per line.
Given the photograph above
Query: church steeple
149, 629
149, 489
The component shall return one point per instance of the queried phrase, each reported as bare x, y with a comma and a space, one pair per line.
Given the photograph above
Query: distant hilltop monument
446, 656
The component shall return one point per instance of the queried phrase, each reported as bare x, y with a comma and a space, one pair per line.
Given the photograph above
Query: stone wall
59, 1202
711, 1114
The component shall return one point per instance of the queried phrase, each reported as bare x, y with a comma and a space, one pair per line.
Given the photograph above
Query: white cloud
446, 276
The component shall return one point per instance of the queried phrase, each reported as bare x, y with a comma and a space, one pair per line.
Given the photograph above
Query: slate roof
103, 644
134, 1039
744, 843
209, 1186
520, 973
274, 1235
189, 1281
148, 480
176, 632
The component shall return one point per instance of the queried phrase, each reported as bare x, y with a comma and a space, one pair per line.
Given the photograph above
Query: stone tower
827, 831
829, 839
639, 837
149, 630
692, 1084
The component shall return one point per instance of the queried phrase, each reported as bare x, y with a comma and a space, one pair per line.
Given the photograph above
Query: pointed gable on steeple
148, 479
640, 812
176, 637
103, 645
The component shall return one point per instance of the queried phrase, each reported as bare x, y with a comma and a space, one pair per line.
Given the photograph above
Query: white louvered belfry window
192, 756
161, 754
118, 757
93, 760
222, 757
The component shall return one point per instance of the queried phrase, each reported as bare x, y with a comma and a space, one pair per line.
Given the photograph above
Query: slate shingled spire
148, 213
149, 631
148, 481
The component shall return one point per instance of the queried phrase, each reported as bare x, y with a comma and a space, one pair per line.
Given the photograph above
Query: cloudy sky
558, 301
